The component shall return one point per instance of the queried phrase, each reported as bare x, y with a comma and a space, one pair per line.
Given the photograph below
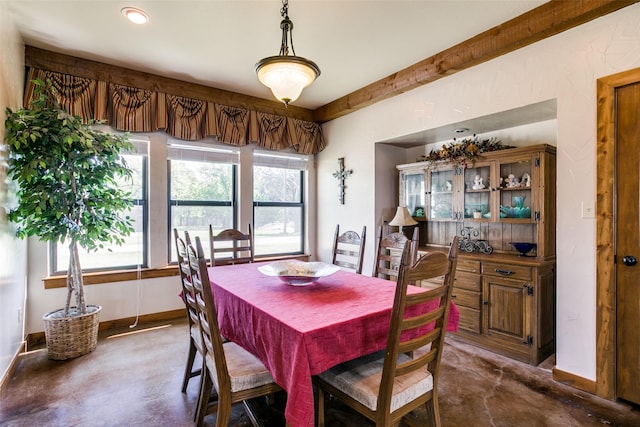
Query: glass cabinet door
477, 193
441, 194
414, 198
516, 195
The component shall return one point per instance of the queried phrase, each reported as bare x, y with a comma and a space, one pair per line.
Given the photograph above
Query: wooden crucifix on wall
341, 174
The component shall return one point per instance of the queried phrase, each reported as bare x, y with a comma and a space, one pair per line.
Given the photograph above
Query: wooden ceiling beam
544, 21
66, 64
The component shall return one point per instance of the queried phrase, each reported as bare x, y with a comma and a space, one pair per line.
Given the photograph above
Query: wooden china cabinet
506, 299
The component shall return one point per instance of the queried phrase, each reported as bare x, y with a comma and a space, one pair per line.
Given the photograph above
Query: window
133, 252
278, 203
202, 191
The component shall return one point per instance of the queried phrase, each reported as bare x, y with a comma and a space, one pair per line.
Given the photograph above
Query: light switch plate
588, 210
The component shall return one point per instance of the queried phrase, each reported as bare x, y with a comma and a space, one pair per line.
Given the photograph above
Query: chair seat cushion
245, 370
360, 379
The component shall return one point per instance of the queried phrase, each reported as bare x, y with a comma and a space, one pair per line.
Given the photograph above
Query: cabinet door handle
504, 272
453, 297
485, 302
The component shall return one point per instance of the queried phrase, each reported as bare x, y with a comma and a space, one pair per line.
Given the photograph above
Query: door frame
606, 146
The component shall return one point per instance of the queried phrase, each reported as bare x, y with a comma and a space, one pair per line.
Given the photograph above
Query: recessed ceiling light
134, 15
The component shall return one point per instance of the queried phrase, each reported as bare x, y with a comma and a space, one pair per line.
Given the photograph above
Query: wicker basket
69, 337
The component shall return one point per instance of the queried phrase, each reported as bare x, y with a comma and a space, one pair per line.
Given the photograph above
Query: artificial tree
67, 175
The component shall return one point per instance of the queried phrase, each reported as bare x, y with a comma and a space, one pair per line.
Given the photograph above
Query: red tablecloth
298, 332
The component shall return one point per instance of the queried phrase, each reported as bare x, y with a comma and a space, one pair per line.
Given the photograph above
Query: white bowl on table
298, 273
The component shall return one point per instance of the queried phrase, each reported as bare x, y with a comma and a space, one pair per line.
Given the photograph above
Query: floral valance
137, 110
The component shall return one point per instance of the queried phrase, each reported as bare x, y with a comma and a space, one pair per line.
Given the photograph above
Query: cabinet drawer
507, 271
468, 266
469, 319
467, 281
464, 298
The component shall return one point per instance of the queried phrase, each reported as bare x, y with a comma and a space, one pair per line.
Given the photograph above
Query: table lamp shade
402, 217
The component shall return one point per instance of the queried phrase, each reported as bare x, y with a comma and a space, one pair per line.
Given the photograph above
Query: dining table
300, 331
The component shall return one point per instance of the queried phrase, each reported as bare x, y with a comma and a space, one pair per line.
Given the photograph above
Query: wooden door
506, 311
628, 243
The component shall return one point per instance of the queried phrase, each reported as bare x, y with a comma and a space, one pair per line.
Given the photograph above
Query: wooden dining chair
236, 374
231, 246
389, 250
386, 386
195, 337
348, 249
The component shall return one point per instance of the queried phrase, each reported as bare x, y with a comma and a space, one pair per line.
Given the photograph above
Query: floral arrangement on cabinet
465, 151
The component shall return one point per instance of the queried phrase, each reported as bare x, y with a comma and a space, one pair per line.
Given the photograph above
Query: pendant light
286, 75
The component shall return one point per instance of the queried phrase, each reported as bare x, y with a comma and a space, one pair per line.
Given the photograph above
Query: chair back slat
416, 343
411, 327
348, 249
185, 280
416, 363
389, 250
231, 246
422, 320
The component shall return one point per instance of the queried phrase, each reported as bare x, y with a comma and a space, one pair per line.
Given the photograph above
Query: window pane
201, 193
135, 185
196, 220
130, 254
276, 185
277, 230
200, 181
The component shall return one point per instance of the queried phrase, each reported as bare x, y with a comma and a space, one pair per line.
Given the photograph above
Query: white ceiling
217, 42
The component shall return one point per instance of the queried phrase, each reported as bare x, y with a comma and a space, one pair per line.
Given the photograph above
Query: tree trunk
74, 280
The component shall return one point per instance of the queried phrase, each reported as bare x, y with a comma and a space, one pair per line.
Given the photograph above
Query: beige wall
12, 251
565, 68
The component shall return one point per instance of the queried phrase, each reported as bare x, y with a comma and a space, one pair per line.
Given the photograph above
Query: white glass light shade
286, 75
402, 218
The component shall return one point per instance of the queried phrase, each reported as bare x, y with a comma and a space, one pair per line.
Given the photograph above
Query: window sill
96, 278
53, 282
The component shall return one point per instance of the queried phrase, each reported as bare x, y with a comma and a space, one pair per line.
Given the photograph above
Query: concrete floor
134, 376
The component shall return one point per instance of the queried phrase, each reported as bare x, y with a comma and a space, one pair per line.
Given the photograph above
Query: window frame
156, 149
301, 203
233, 203
144, 202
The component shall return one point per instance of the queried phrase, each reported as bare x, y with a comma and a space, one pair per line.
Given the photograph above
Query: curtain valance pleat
233, 125
138, 110
306, 136
272, 132
190, 119
131, 109
76, 95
